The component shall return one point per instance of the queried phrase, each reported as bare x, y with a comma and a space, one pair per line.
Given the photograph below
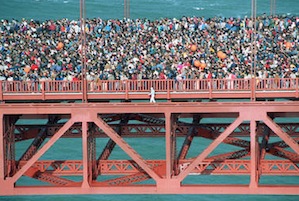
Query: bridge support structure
144, 148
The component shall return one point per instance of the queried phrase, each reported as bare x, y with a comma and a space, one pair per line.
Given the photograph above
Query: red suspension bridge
189, 144
196, 141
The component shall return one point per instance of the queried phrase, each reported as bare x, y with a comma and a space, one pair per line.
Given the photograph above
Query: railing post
43, 90
210, 85
1, 90
296, 88
85, 91
168, 89
127, 90
253, 87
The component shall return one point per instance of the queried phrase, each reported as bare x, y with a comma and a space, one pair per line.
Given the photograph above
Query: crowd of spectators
32, 50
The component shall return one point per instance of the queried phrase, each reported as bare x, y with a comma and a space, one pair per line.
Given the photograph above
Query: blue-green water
152, 9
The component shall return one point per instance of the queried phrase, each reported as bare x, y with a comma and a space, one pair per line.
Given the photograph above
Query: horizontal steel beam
287, 108
127, 167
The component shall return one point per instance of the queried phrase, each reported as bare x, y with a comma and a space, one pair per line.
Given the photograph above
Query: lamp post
253, 48
126, 9
253, 36
83, 49
272, 7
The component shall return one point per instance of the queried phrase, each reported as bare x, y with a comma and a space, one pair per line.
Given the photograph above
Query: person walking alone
152, 95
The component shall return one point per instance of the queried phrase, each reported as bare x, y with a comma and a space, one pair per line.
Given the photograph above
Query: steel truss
258, 146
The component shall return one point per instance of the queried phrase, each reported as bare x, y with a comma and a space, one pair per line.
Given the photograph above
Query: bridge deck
139, 89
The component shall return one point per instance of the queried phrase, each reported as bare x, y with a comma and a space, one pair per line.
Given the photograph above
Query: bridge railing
42, 86
167, 86
277, 84
194, 85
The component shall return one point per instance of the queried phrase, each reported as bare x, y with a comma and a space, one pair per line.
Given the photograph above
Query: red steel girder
231, 155
40, 152
235, 167
264, 143
279, 167
157, 166
207, 166
125, 180
8, 127
86, 113
229, 140
47, 177
111, 144
209, 149
189, 137
148, 119
280, 152
64, 168
282, 144
284, 136
129, 150
32, 149
141, 130
37, 142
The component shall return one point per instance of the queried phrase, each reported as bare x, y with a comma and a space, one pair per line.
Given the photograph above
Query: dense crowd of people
186, 48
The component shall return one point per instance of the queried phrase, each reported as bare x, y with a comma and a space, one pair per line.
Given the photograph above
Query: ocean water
152, 9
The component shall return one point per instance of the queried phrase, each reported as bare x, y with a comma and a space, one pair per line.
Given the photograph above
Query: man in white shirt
152, 95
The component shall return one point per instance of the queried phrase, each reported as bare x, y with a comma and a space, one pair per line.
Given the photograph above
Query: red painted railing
139, 89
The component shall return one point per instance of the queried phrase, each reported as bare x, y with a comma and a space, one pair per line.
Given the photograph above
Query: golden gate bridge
257, 140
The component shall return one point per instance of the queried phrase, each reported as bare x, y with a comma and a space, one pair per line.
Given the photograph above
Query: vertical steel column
5, 145
168, 145
2, 153
9, 145
6, 187
170, 150
174, 159
93, 170
254, 155
85, 157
